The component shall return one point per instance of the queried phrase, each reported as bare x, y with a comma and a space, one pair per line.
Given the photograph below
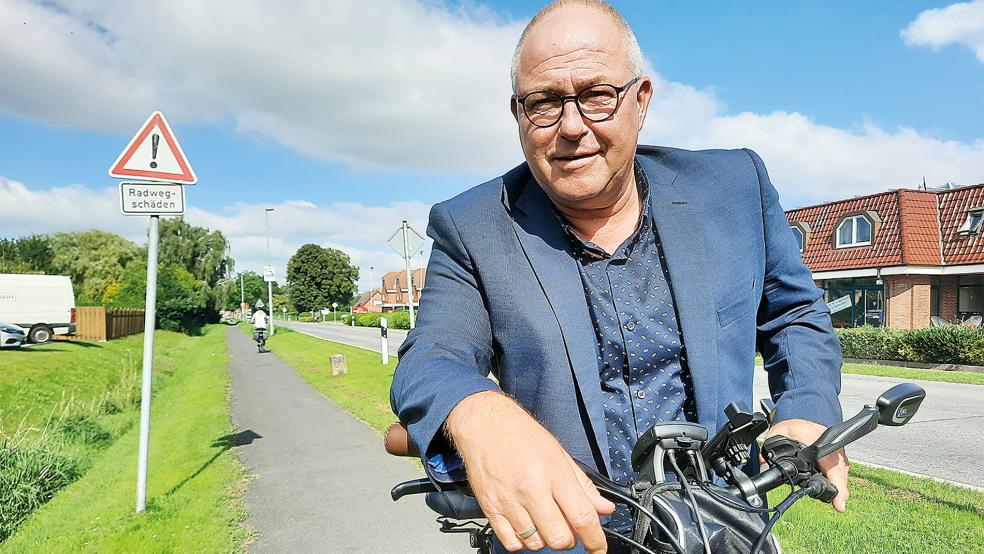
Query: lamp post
269, 263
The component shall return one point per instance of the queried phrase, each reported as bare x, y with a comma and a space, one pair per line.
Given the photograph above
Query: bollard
384, 351
338, 365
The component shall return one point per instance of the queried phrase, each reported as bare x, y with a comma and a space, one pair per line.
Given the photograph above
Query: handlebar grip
417, 486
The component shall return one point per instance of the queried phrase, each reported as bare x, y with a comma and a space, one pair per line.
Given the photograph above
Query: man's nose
571, 125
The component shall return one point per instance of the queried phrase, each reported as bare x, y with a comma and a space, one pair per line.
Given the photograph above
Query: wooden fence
98, 323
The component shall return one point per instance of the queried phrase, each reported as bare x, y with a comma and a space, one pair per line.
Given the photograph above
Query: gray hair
631, 44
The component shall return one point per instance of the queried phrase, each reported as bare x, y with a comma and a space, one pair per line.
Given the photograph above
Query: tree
181, 298
31, 254
200, 251
319, 276
93, 260
255, 289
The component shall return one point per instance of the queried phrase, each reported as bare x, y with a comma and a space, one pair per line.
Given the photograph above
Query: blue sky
340, 117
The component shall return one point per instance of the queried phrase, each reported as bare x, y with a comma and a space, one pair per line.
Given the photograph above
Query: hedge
940, 345
394, 320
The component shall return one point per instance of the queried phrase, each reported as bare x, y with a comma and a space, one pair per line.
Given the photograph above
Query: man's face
580, 163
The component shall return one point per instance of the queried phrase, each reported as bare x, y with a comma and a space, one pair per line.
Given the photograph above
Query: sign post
270, 275
162, 162
406, 242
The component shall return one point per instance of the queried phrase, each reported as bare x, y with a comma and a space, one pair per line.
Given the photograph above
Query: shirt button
641, 394
630, 326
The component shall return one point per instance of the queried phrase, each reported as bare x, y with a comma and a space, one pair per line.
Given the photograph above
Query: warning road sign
151, 199
154, 155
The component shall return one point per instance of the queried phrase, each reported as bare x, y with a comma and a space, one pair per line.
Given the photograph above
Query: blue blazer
504, 296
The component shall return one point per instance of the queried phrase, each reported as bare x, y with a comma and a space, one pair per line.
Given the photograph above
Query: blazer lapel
679, 227
549, 253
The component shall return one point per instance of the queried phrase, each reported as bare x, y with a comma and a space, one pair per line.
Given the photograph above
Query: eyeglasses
595, 103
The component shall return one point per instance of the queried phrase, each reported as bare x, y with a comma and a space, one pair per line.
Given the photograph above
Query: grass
895, 372
887, 512
193, 485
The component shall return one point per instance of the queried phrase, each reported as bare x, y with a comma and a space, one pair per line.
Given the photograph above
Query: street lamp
269, 263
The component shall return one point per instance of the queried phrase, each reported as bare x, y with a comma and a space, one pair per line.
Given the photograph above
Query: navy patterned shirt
641, 357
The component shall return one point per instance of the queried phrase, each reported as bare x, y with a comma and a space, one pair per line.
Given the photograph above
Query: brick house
393, 292
897, 258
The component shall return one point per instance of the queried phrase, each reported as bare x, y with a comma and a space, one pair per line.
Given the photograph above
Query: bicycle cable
693, 501
631, 502
619, 536
780, 510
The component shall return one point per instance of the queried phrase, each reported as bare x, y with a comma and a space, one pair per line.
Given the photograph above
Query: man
608, 286
260, 326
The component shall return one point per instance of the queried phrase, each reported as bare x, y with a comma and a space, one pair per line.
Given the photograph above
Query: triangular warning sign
154, 155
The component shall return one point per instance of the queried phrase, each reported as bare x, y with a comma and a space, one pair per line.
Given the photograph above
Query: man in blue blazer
606, 286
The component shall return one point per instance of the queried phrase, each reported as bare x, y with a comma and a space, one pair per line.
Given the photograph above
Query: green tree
202, 252
31, 254
93, 260
319, 276
255, 289
181, 298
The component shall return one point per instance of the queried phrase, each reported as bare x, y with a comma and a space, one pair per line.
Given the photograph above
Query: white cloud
392, 84
360, 231
403, 85
961, 23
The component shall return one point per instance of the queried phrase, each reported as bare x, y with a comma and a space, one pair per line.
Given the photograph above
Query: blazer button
630, 326
641, 394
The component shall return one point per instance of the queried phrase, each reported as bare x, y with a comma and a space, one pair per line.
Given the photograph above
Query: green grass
887, 511
193, 503
961, 377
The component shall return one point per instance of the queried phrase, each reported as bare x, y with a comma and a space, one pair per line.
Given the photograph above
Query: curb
916, 365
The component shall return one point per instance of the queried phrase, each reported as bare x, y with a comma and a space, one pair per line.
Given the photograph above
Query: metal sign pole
406, 257
150, 316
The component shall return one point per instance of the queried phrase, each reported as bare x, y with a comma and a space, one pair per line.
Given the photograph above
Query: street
943, 441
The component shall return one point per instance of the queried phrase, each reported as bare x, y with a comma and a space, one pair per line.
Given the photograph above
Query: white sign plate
269, 273
154, 155
151, 199
842, 303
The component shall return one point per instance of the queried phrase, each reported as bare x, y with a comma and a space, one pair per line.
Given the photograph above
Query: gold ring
528, 533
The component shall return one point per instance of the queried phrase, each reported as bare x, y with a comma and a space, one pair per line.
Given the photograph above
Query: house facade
897, 258
393, 293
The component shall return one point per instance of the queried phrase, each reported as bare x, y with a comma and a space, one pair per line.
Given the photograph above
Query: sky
348, 117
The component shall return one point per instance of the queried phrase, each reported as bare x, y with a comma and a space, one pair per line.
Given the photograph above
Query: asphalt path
322, 478
944, 440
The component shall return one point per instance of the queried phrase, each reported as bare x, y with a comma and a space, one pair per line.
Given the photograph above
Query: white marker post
153, 154
384, 350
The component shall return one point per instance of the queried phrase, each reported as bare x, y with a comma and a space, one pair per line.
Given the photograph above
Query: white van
42, 305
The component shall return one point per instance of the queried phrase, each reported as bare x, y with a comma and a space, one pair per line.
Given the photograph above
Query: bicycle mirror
898, 404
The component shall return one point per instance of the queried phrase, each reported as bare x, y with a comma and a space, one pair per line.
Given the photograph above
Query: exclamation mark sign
154, 141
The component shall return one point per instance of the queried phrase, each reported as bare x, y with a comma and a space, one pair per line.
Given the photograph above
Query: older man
608, 287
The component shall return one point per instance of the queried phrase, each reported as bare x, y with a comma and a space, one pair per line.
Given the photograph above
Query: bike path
322, 478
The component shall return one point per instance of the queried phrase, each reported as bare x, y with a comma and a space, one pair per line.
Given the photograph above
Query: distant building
897, 258
392, 293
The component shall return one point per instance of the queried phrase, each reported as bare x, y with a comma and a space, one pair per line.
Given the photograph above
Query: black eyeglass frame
574, 97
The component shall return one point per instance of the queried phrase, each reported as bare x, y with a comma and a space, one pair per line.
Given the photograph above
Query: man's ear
514, 108
643, 97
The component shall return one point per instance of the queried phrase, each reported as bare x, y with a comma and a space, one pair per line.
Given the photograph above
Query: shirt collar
592, 250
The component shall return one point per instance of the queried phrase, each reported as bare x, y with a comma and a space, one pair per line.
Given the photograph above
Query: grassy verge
960, 377
193, 480
888, 511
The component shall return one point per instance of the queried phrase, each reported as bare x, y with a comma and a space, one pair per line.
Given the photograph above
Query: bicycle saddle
455, 505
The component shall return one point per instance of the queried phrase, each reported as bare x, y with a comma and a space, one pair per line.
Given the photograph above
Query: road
322, 478
943, 441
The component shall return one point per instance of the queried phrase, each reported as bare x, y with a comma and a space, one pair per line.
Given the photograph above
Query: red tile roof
915, 226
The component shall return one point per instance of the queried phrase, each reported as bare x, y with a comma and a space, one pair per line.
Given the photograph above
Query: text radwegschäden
151, 199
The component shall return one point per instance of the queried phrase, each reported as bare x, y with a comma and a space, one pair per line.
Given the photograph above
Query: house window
798, 233
854, 231
973, 223
970, 301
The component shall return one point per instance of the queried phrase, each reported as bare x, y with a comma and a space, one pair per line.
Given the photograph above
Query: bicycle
677, 504
260, 337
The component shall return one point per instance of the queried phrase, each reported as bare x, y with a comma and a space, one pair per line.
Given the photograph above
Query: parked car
41, 305
11, 336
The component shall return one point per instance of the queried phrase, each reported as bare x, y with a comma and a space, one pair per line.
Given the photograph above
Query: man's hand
834, 467
522, 477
